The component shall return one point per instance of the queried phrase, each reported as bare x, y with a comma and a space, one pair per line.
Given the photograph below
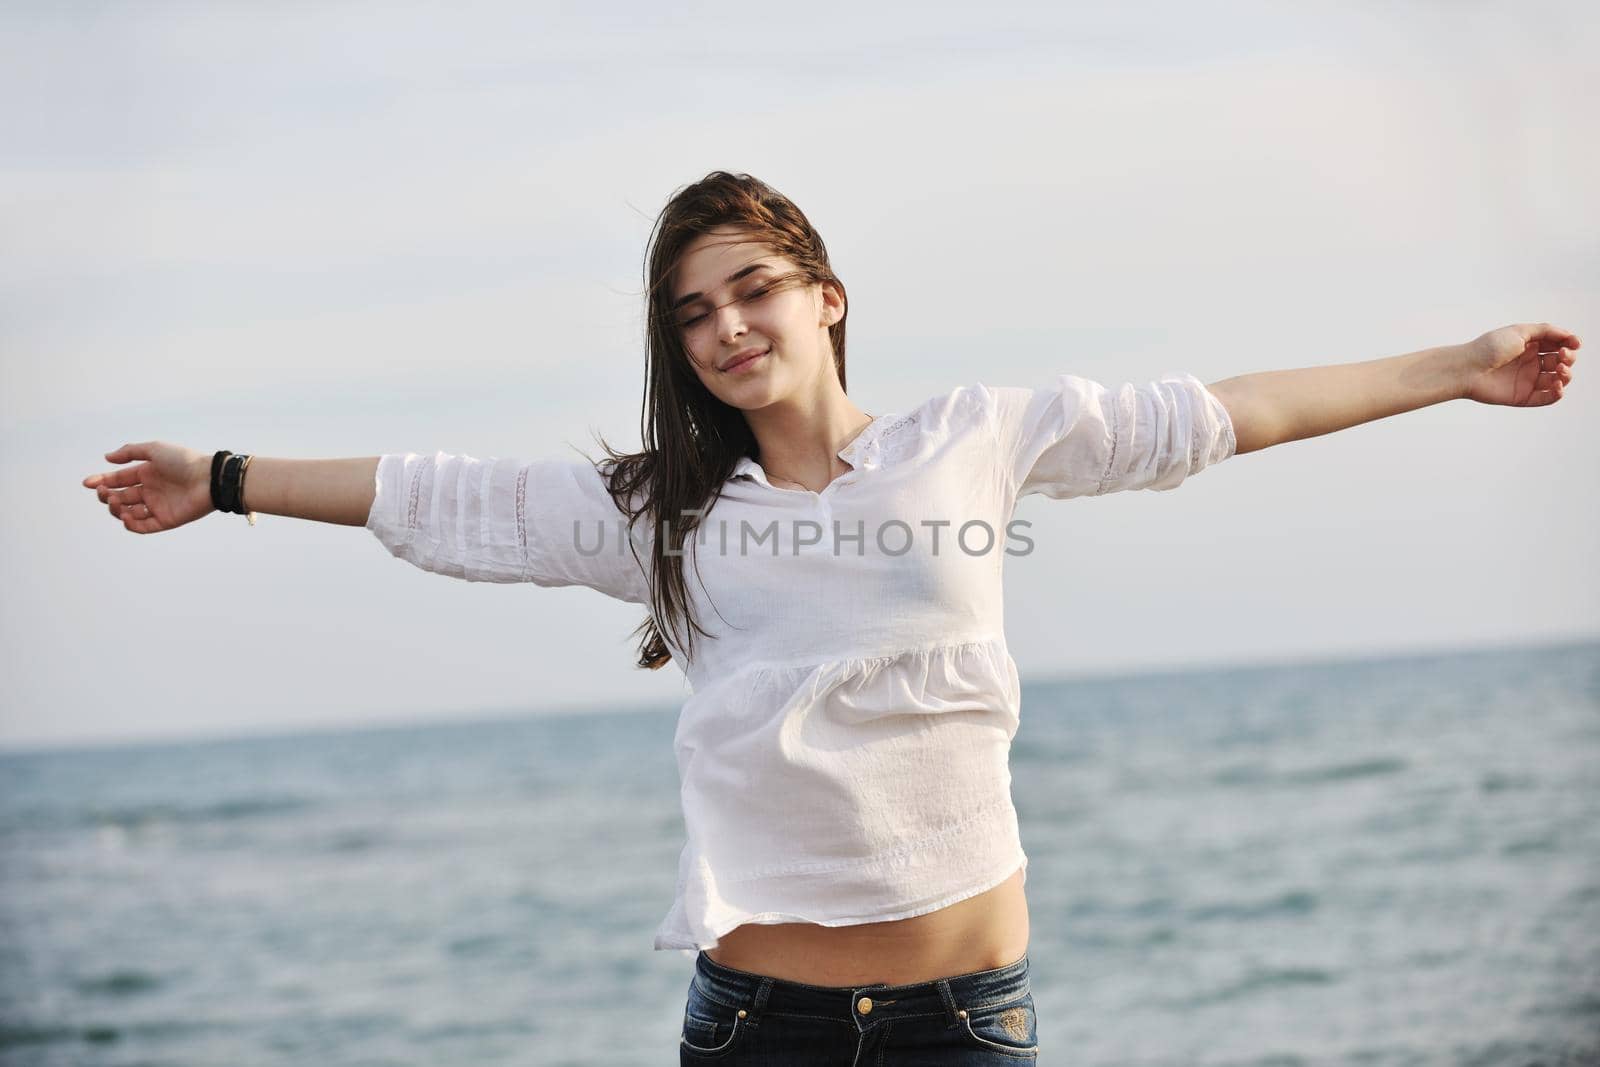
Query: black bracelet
227, 482
232, 467
218, 500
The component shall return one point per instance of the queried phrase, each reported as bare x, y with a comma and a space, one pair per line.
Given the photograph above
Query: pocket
1011, 1027
709, 1028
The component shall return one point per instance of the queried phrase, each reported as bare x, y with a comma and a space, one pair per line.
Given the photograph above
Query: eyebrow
688, 298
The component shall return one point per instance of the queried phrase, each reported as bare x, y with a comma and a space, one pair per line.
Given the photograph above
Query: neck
800, 440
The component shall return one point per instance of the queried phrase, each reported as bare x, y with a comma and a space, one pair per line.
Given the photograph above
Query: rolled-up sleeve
551, 522
1077, 437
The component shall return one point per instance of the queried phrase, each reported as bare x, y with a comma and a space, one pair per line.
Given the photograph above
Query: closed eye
754, 294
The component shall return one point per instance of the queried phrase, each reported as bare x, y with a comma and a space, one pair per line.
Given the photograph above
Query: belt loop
949, 1000
761, 1001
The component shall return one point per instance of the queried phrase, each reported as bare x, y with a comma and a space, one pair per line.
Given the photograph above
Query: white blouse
843, 757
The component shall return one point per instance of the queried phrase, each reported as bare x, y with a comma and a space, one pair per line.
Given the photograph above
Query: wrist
200, 472
1467, 363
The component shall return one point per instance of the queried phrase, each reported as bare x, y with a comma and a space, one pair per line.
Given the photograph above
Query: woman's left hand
1526, 365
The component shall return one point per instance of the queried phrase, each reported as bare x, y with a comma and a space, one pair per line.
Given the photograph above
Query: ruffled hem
675, 932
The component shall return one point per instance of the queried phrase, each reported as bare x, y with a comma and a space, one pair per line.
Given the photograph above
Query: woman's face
734, 296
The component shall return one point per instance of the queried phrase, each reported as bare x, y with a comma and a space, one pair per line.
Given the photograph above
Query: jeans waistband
861, 1004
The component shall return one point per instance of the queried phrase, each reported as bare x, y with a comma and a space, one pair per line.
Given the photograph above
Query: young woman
829, 581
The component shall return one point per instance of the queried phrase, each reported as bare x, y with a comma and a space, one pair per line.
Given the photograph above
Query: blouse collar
862, 453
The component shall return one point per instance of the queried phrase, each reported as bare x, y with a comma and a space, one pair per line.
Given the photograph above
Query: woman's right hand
169, 487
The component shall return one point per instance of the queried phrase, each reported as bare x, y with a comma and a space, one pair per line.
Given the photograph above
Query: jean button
864, 1005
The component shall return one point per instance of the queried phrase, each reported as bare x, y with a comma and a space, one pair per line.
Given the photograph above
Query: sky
357, 229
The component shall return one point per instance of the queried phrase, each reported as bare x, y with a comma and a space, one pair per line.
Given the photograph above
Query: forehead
711, 257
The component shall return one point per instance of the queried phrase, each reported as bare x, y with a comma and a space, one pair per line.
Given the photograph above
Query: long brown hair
692, 440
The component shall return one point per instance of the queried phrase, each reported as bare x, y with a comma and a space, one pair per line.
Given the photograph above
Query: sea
1375, 863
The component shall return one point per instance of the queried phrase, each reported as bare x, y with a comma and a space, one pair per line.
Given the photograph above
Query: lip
743, 358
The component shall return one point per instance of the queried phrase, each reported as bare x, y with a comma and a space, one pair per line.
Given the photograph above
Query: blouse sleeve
1077, 437
551, 522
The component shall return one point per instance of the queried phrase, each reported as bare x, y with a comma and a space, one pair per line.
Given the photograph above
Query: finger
106, 496
121, 503
130, 451
117, 479
132, 513
131, 495
143, 522
1545, 331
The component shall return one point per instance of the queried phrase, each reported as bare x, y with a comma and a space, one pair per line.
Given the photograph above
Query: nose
730, 324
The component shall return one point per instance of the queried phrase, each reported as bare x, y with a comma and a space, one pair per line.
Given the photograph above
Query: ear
832, 305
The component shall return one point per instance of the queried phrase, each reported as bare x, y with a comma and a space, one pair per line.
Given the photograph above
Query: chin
752, 399
755, 393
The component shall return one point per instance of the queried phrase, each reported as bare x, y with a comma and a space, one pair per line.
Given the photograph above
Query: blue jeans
735, 1017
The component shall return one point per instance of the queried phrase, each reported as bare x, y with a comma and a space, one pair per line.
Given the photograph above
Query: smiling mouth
742, 362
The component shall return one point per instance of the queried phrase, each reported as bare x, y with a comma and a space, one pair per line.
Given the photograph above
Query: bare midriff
980, 933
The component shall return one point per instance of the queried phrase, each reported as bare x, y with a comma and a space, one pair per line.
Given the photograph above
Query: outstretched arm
170, 486
1525, 365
